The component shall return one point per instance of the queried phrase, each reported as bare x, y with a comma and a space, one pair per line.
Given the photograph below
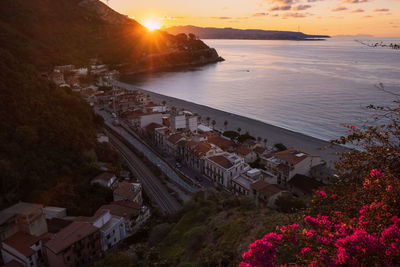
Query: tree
280, 147
259, 139
213, 123
208, 121
164, 102
225, 124
354, 220
265, 141
239, 130
289, 204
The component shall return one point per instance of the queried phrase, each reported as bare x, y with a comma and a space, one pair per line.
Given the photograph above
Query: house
224, 144
259, 150
25, 217
249, 155
241, 185
133, 213
303, 186
266, 193
160, 137
102, 138
57, 77
172, 143
54, 212
23, 248
195, 152
177, 122
222, 168
105, 179
78, 244
128, 191
322, 173
288, 163
111, 227
149, 130
139, 120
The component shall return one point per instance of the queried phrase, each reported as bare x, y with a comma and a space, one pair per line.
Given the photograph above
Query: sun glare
152, 24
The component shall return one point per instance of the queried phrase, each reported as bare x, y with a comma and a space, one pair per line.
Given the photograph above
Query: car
178, 165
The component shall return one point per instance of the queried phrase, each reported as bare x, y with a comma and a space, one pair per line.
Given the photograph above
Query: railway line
153, 187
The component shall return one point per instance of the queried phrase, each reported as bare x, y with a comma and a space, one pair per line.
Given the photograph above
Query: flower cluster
373, 237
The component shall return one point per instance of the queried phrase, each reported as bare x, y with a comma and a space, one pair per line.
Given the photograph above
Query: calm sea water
310, 87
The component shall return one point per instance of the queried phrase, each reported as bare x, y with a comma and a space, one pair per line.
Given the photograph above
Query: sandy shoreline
256, 128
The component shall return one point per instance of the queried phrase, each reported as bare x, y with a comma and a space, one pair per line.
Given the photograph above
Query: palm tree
213, 123
259, 139
225, 124
208, 120
164, 102
265, 141
239, 130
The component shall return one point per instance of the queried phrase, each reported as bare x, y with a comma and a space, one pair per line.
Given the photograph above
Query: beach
255, 128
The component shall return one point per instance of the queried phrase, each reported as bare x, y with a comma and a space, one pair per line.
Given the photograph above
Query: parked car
178, 165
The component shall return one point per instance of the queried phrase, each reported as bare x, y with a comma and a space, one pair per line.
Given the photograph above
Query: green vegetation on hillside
213, 229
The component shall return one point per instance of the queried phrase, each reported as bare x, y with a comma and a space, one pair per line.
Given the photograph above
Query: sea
312, 87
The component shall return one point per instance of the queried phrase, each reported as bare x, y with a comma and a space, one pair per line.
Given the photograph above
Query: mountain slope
230, 33
55, 32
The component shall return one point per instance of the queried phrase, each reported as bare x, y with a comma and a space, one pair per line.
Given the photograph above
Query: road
153, 187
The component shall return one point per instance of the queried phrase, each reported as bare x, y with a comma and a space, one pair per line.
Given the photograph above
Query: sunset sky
333, 17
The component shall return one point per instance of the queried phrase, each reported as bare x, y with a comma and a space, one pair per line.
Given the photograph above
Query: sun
152, 24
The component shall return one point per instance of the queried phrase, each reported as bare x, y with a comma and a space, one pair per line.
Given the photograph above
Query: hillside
213, 229
230, 33
56, 32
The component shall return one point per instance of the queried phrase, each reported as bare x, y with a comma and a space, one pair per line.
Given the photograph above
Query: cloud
221, 17
280, 2
280, 8
301, 7
260, 14
339, 8
357, 10
355, 1
381, 10
294, 15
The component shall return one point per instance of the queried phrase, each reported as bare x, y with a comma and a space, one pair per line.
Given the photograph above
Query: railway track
157, 192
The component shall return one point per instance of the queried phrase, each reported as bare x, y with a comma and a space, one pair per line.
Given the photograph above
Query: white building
23, 248
178, 122
288, 163
224, 167
141, 120
105, 179
112, 228
54, 212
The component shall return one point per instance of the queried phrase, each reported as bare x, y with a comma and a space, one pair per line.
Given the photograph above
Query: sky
331, 17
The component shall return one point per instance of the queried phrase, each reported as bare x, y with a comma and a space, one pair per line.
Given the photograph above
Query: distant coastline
239, 34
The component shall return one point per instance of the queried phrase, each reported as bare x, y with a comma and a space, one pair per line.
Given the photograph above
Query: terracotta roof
259, 185
201, 149
105, 176
270, 190
69, 235
305, 183
222, 161
126, 190
292, 155
174, 138
128, 204
220, 142
96, 216
259, 149
121, 211
152, 126
243, 150
22, 243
